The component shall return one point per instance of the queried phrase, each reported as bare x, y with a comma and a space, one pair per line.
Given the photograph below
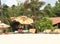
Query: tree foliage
42, 24
30, 9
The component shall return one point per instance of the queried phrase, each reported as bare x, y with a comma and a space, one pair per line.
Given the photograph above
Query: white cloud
52, 2
11, 2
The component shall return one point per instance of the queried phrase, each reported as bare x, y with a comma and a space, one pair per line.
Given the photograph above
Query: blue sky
11, 2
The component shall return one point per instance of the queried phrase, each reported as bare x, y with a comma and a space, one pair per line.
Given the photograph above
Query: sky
14, 2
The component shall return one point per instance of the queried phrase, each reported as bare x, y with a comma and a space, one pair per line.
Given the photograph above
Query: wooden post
1, 12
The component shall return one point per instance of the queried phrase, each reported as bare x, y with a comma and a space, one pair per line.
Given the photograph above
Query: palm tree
48, 11
0, 7
59, 0
1, 17
35, 6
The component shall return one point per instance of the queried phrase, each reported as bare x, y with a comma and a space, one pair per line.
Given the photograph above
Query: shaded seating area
3, 27
14, 25
22, 24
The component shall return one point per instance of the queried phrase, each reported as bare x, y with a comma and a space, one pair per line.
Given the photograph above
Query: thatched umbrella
3, 25
24, 20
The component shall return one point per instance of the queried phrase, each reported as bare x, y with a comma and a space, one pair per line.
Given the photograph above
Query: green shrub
42, 24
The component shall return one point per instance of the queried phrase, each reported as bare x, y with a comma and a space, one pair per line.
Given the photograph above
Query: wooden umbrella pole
26, 27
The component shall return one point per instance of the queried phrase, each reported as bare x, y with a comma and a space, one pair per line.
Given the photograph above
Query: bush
42, 24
